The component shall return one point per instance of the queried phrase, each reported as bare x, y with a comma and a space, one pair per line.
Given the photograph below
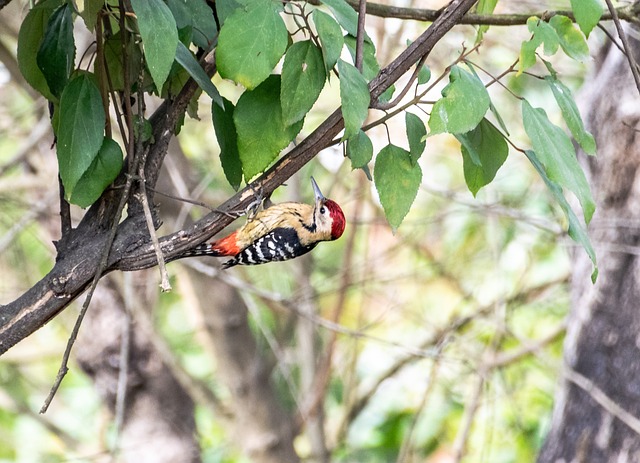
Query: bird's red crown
338, 221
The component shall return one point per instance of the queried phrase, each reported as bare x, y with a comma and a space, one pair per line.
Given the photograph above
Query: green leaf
424, 74
416, 134
80, 130
464, 103
262, 133
587, 13
346, 16
57, 51
397, 180
251, 42
303, 77
556, 153
29, 40
484, 7
197, 15
90, 13
577, 231
191, 65
226, 8
571, 39
103, 170
113, 59
543, 33
330, 36
570, 113
370, 66
159, 37
359, 150
354, 96
487, 145
228, 141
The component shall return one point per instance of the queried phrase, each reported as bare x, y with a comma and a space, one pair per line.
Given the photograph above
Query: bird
280, 232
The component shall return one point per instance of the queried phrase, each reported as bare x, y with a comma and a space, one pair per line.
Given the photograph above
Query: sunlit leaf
397, 180
346, 16
587, 13
330, 36
251, 42
464, 103
484, 7
159, 37
543, 34
571, 39
557, 155
359, 150
370, 65
424, 74
262, 133
354, 96
303, 77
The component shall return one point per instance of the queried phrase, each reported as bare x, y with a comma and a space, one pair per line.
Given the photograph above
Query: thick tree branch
132, 248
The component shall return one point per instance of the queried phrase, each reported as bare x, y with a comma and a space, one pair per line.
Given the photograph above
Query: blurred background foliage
443, 340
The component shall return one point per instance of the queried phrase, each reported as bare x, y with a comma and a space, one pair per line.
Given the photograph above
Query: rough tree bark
601, 387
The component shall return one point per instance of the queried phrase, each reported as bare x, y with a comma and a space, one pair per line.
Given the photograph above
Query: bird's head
328, 216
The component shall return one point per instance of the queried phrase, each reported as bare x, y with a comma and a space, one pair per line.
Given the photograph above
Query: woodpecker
281, 232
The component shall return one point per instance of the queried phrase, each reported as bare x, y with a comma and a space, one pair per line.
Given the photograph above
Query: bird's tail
226, 246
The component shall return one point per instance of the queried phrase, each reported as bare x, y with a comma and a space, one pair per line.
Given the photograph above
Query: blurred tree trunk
598, 403
156, 423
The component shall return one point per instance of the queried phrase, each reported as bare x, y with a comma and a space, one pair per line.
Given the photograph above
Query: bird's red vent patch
338, 221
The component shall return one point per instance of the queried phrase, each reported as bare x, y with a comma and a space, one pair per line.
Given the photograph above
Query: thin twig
362, 15
123, 373
602, 399
164, 275
405, 448
610, 37
625, 43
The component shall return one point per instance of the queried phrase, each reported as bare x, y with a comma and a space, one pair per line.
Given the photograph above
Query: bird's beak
316, 191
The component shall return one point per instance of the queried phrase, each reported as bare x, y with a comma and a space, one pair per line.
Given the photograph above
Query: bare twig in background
602, 399
633, 65
405, 449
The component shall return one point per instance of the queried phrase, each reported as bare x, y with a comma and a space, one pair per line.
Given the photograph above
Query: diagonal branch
132, 249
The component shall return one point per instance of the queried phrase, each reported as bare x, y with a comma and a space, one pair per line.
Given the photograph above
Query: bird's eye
323, 210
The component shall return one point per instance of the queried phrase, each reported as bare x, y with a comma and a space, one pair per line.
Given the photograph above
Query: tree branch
132, 249
626, 13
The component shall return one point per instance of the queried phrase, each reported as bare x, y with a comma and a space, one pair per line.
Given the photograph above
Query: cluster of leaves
253, 39
89, 158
